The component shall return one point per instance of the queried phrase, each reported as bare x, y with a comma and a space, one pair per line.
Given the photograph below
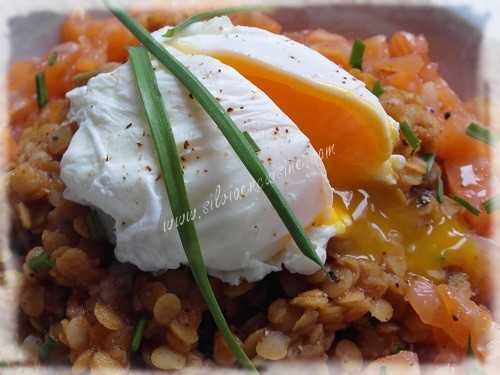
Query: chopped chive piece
358, 50
210, 14
228, 128
41, 90
377, 89
41, 262
52, 59
137, 336
481, 134
439, 190
96, 228
467, 205
429, 162
172, 174
410, 137
470, 351
45, 348
492, 204
83, 78
251, 141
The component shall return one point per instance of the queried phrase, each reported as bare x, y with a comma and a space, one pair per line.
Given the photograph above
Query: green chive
429, 162
41, 262
46, 348
96, 228
492, 204
472, 367
251, 141
83, 78
172, 174
137, 336
377, 89
41, 90
410, 137
358, 50
481, 134
439, 190
234, 136
210, 14
467, 205
52, 59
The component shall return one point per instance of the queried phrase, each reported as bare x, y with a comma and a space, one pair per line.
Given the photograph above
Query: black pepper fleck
230, 109
186, 145
447, 115
139, 144
128, 126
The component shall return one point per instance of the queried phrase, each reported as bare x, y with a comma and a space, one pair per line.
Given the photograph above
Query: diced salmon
458, 316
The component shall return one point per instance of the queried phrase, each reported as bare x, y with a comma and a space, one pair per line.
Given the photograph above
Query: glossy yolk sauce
377, 221
332, 119
385, 223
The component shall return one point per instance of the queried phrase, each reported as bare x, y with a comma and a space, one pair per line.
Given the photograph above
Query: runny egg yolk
385, 223
378, 221
332, 118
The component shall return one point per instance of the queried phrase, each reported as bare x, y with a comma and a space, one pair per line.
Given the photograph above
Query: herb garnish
378, 90
228, 128
210, 14
429, 162
409, 136
173, 179
467, 205
52, 59
137, 336
439, 190
480, 133
492, 204
251, 141
358, 50
41, 262
41, 90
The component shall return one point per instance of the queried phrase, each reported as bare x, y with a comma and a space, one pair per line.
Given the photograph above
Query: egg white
110, 164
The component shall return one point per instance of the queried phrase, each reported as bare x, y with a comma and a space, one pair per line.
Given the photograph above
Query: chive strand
357, 52
137, 336
252, 142
210, 14
492, 204
439, 190
429, 162
409, 135
52, 58
467, 205
480, 133
377, 90
172, 175
41, 262
229, 129
41, 90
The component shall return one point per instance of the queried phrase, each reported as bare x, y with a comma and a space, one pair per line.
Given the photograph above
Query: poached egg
273, 88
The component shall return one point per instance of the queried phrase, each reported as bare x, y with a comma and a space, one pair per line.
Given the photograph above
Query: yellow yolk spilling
383, 223
335, 120
377, 221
